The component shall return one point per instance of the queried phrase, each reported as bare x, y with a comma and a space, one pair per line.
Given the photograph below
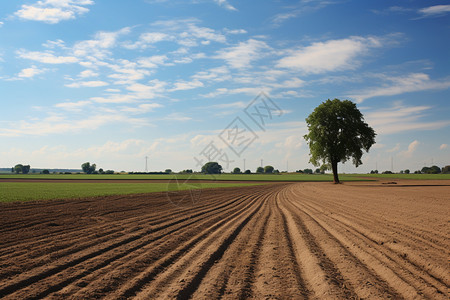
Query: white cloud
46, 57
235, 31
225, 4
177, 117
435, 11
186, 85
443, 146
400, 118
1, 24
237, 104
411, 149
147, 91
215, 74
244, 53
73, 106
87, 74
98, 47
127, 72
205, 33
60, 125
332, 55
142, 108
53, 11
152, 61
403, 84
54, 44
92, 83
298, 9
147, 39
30, 72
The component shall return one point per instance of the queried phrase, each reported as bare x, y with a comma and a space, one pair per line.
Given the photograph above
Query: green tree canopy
26, 169
337, 132
237, 170
88, 168
268, 169
212, 168
18, 168
260, 170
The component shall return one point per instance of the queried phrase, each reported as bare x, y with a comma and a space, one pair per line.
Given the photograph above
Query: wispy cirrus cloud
434, 11
30, 72
91, 83
53, 11
328, 56
396, 85
401, 118
242, 55
304, 6
46, 57
63, 124
226, 5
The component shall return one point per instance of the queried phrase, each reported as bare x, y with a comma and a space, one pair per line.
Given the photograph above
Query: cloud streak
401, 84
329, 56
53, 11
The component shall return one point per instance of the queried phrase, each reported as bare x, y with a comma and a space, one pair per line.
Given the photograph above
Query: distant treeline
33, 170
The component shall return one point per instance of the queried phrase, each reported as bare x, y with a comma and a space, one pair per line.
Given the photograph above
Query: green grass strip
221, 177
27, 191
405, 176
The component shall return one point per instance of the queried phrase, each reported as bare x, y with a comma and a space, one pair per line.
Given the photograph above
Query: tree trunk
335, 171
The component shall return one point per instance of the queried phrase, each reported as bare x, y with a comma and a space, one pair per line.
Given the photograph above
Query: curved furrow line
404, 256
120, 232
396, 263
193, 266
23, 280
238, 261
354, 272
431, 238
280, 274
154, 218
386, 232
140, 259
322, 277
436, 274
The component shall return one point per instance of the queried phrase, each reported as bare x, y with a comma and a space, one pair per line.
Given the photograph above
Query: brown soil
279, 241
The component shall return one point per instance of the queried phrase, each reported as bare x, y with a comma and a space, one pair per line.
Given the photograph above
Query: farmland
362, 239
47, 190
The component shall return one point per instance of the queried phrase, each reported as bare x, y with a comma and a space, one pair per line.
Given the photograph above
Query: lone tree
337, 132
88, 168
268, 169
212, 168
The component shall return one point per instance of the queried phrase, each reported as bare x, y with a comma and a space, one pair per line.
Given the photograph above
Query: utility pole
261, 163
146, 165
287, 166
244, 166
392, 164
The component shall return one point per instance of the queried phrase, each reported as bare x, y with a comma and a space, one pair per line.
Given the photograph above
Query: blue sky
112, 82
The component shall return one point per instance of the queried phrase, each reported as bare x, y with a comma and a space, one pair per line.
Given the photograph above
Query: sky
183, 82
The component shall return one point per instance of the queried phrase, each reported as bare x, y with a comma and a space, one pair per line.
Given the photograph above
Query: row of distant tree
216, 168
424, 170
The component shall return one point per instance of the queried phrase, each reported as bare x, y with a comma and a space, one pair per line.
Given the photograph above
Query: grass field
404, 176
221, 177
26, 191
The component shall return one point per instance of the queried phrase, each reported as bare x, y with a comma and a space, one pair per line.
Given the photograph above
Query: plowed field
278, 241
